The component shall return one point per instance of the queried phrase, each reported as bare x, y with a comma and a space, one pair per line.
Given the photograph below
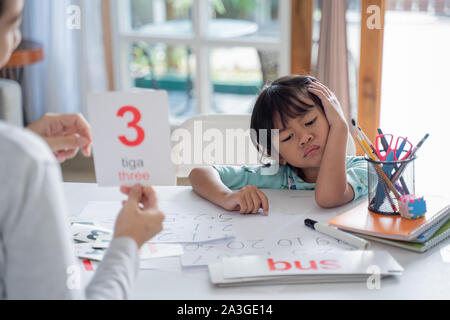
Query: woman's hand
247, 200
140, 218
65, 134
331, 105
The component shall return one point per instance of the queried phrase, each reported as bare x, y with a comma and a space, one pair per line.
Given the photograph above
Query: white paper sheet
160, 250
177, 227
198, 254
170, 264
205, 230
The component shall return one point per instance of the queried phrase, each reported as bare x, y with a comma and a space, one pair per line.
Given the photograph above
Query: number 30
133, 124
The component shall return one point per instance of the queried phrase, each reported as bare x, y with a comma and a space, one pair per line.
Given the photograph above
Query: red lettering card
306, 268
131, 138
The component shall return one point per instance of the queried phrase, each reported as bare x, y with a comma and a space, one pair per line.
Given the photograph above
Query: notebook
361, 220
312, 267
442, 234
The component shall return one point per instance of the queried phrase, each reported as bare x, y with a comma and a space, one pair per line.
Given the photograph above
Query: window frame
200, 42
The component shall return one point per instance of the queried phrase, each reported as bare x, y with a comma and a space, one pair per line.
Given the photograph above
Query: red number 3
133, 124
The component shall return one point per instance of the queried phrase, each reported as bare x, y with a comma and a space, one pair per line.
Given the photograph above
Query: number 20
133, 124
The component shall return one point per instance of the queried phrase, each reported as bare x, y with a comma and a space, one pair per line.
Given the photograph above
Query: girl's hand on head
331, 105
247, 200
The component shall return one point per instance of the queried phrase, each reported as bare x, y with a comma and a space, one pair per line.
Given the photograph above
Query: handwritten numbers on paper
199, 227
322, 241
225, 218
257, 244
227, 228
140, 133
235, 245
203, 216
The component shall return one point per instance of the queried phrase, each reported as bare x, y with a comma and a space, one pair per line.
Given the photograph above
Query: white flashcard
131, 138
311, 263
344, 266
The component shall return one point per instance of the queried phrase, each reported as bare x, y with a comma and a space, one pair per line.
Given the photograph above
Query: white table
426, 276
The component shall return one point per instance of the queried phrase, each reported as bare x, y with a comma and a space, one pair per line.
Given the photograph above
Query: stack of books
416, 235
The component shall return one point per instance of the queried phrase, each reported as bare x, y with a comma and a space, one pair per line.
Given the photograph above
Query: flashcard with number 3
131, 138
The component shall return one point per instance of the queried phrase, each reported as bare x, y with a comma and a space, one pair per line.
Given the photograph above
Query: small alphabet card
88, 233
131, 138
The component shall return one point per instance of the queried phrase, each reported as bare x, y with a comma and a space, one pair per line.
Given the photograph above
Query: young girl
312, 143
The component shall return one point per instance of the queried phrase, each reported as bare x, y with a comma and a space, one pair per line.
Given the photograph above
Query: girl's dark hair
282, 97
2, 7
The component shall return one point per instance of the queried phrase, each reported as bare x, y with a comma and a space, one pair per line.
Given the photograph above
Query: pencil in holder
388, 181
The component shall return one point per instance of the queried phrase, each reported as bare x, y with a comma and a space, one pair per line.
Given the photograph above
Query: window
212, 56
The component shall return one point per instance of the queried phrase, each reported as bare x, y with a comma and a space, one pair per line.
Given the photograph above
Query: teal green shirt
236, 178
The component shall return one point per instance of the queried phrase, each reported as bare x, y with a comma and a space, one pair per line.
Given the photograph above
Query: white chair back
205, 140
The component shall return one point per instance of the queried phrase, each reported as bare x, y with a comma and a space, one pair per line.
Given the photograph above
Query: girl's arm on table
332, 188
207, 183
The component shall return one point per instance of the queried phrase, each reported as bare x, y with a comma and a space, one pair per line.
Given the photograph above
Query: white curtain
74, 63
332, 63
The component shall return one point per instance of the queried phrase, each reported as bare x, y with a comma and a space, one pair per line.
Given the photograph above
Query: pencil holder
388, 181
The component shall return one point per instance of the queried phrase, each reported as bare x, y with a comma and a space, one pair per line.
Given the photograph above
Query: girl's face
302, 141
10, 35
